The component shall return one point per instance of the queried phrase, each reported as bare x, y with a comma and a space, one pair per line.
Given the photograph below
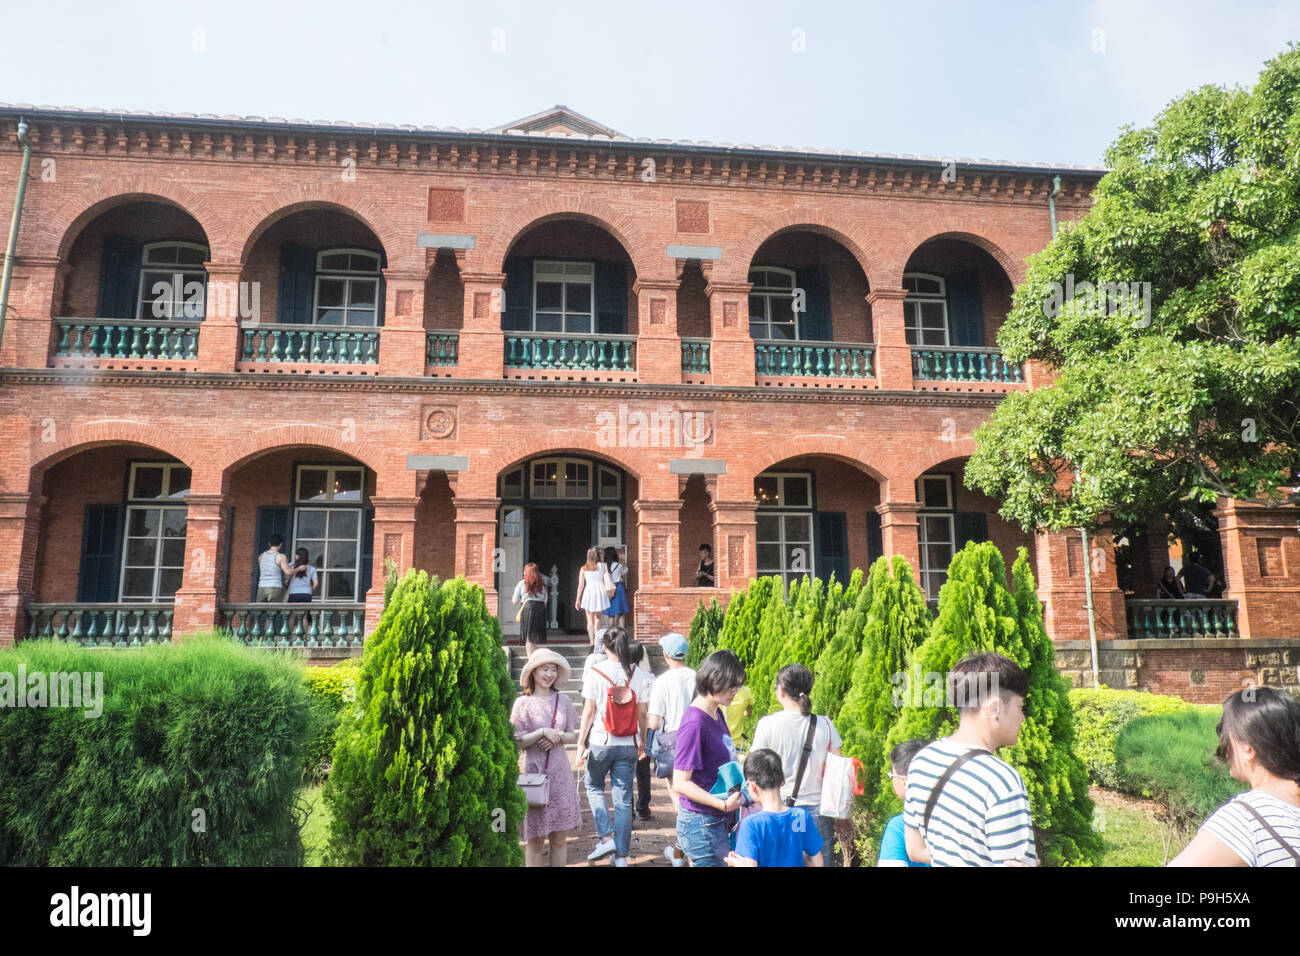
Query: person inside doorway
618, 607
1196, 578
705, 576
592, 597
531, 593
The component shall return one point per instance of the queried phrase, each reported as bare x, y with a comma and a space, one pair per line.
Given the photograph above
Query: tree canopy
1168, 407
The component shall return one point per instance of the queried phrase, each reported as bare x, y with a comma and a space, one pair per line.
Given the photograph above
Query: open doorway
561, 537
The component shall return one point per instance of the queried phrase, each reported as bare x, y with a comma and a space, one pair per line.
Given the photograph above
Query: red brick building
462, 349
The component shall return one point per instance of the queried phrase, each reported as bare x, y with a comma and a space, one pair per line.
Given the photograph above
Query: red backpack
620, 708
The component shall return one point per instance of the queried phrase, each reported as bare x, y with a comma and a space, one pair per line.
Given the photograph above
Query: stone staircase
575, 654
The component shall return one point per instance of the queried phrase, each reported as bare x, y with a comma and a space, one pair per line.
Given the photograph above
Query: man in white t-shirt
980, 815
672, 693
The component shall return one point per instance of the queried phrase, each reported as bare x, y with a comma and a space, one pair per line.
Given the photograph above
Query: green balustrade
813, 359
123, 624
285, 625
102, 338
442, 348
599, 353
1180, 619
964, 365
695, 356
316, 344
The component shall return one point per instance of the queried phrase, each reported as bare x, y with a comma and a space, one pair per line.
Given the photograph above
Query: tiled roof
338, 126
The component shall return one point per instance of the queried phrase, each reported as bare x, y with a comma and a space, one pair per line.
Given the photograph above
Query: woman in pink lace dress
545, 720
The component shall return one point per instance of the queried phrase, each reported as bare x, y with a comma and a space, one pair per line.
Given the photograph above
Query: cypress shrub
978, 613
706, 628
196, 759
896, 620
774, 627
740, 626
425, 776
330, 690
833, 673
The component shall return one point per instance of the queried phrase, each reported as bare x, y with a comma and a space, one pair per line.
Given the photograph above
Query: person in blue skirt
618, 608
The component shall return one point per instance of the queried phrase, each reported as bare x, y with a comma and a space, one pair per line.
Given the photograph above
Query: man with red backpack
611, 740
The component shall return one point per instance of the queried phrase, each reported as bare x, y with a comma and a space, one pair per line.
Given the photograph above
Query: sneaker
646, 816
620, 861
603, 848
675, 855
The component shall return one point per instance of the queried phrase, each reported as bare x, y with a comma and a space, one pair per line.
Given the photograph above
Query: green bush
833, 673
740, 626
1170, 758
706, 628
195, 760
330, 690
1099, 716
775, 625
425, 776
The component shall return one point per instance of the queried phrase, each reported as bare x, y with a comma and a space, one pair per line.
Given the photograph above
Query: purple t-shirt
703, 745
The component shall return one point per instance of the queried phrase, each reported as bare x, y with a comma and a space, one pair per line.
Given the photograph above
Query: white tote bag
840, 783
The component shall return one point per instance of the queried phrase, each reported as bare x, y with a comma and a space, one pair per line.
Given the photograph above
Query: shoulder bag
803, 760
537, 786
938, 785
1270, 831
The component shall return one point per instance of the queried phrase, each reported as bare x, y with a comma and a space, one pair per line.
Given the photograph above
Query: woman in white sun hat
545, 720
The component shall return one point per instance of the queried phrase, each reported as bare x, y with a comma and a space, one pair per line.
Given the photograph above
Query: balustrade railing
121, 339
813, 359
1195, 618
600, 353
964, 365
295, 625
695, 356
330, 345
442, 348
101, 625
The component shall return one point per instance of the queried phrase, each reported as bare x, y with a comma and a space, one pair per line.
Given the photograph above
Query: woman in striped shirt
1259, 736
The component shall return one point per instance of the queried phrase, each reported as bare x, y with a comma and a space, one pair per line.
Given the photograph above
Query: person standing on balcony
618, 608
1196, 578
592, 597
531, 592
303, 579
1168, 589
272, 566
705, 575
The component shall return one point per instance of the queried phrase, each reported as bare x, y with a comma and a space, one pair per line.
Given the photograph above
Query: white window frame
912, 324
780, 510
323, 571
348, 277
947, 486
167, 468
780, 501
615, 540
157, 566
566, 274
618, 484
774, 298
932, 578
151, 273
523, 483
561, 483
330, 472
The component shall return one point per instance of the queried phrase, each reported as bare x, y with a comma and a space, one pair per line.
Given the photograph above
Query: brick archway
375, 457
865, 251
78, 438
819, 446
398, 253
567, 442
55, 235
918, 464
966, 230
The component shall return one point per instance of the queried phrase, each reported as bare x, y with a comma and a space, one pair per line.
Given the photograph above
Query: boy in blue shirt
779, 835
893, 845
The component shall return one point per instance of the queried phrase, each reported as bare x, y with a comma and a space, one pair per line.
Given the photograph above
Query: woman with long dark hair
1259, 737
618, 607
531, 592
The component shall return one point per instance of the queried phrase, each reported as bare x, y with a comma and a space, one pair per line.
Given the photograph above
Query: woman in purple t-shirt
703, 745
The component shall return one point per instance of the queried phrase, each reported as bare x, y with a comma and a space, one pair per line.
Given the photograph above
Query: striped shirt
982, 815
1236, 828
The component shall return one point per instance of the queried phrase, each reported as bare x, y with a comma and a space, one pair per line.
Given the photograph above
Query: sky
1035, 81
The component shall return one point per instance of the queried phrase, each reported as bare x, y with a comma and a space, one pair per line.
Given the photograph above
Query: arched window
925, 311
173, 282
771, 304
347, 287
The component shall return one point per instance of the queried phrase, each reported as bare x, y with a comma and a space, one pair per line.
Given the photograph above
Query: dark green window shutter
297, 285
517, 316
119, 277
970, 526
271, 519
101, 553
815, 322
875, 538
367, 553
381, 294
611, 298
832, 546
965, 316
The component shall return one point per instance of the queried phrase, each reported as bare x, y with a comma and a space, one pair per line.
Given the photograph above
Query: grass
316, 831
1133, 833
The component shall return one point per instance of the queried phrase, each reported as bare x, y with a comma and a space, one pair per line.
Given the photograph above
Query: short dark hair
707, 547
277, 540
1269, 721
976, 674
720, 672
901, 755
763, 769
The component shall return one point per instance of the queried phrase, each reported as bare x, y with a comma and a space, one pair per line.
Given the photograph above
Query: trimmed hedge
1099, 716
330, 690
1171, 758
195, 760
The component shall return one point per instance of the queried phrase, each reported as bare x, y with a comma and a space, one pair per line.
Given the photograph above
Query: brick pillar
658, 346
476, 541
1059, 557
35, 294
220, 338
900, 532
1150, 555
1261, 562
402, 340
482, 342
20, 524
893, 360
197, 599
731, 354
394, 538
658, 526
735, 543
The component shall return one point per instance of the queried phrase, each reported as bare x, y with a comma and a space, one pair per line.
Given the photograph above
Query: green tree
774, 628
1159, 413
978, 613
833, 673
740, 626
706, 628
425, 775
